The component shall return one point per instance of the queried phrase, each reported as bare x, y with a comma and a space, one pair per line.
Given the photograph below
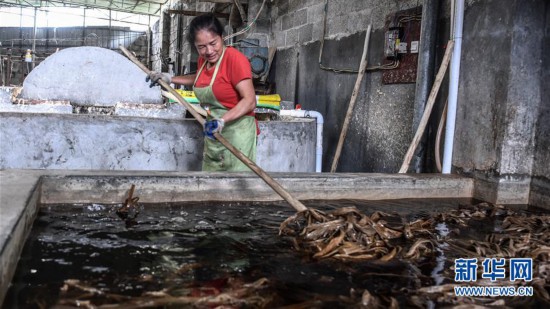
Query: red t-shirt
234, 68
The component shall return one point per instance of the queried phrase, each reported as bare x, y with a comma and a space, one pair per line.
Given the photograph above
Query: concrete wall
380, 129
103, 142
540, 184
502, 132
502, 124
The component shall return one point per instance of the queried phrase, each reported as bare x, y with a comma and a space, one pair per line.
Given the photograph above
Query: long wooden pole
438, 137
237, 153
356, 88
428, 110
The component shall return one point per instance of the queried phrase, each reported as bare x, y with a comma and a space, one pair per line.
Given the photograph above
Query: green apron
241, 132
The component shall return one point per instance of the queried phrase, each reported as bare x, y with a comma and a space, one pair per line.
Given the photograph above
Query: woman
223, 85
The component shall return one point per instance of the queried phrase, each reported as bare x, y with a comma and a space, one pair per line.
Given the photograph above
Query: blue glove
213, 126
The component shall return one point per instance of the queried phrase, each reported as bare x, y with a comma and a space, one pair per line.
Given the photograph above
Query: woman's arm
245, 88
186, 80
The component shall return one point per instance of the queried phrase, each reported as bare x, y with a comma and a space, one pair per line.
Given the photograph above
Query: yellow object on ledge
272, 101
188, 95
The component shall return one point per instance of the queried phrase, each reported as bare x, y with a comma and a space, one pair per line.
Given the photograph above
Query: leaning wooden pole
354, 94
428, 110
237, 153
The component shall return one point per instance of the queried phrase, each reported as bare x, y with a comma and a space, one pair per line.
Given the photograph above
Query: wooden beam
428, 109
195, 13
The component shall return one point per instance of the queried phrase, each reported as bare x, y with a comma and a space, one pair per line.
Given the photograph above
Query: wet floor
193, 248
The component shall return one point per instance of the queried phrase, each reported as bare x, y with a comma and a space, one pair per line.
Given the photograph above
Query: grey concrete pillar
425, 74
500, 100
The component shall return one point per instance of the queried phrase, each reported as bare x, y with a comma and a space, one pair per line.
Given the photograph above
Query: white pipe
453, 86
320, 121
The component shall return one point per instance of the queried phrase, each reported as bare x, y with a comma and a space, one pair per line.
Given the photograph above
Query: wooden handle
237, 153
131, 193
428, 110
356, 88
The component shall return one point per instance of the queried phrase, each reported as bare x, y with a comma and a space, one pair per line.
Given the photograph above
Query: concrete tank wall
103, 142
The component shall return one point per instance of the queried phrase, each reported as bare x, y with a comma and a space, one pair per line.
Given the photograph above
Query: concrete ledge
177, 187
22, 191
540, 193
513, 189
502, 189
19, 200
172, 111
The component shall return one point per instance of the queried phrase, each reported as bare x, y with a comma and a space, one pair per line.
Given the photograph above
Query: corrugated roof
146, 7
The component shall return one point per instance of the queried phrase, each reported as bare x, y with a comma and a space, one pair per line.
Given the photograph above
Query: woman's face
209, 45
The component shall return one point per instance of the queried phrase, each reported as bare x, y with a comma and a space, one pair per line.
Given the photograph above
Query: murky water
187, 249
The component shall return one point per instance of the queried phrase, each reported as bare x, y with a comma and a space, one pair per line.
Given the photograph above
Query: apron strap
215, 70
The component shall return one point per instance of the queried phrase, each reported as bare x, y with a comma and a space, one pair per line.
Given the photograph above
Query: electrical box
401, 42
392, 42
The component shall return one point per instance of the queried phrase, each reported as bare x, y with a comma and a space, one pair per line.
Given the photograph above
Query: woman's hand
213, 126
154, 77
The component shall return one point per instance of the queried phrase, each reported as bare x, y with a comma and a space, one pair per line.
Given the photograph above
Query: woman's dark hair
204, 22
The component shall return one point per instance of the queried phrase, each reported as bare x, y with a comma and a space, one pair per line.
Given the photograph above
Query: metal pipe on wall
178, 65
8, 66
84, 27
47, 34
149, 38
110, 31
20, 29
34, 40
425, 73
2, 76
454, 74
